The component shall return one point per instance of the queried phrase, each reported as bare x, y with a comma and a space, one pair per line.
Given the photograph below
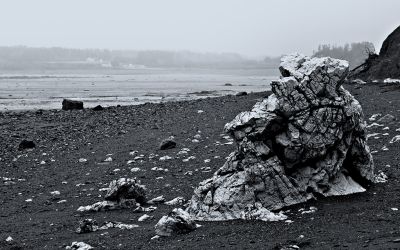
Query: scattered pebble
395, 139
165, 158
108, 159
9, 239
145, 217
82, 160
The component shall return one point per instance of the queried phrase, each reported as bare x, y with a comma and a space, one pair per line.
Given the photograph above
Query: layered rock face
306, 139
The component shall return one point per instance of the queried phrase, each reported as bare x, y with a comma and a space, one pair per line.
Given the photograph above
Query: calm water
46, 91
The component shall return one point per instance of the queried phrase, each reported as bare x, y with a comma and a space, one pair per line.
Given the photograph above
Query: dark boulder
25, 144
98, 108
68, 104
242, 93
167, 144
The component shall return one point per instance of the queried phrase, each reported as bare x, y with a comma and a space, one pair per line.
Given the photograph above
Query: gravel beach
78, 153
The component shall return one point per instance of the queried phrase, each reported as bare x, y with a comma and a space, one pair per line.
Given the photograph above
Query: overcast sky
248, 27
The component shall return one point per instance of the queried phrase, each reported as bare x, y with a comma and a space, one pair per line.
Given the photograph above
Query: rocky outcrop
382, 66
307, 139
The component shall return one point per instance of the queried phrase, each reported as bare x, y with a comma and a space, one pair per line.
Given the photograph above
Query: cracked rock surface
306, 139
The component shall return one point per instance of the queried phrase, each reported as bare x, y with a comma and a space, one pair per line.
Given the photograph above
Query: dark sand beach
47, 221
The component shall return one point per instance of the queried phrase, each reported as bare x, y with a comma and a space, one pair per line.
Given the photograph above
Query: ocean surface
27, 91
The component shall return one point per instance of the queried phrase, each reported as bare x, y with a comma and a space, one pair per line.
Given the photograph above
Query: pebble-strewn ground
71, 149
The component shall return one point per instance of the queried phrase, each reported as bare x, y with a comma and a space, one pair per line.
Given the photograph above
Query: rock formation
307, 139
382, 66
122, 193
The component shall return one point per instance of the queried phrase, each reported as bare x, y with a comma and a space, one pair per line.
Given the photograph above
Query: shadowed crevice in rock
307, 139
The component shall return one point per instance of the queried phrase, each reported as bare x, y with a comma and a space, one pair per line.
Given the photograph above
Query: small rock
82, 160
242, 93
9, 239
145, 217
167, 144
387, 118
176, 222
79, 246
159, 199
165, 158
98, 108
178, 201
25, 144
55, 193
108, 159
87, 226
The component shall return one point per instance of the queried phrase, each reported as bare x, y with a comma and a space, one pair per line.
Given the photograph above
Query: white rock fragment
134, 170
165, 158
133, 152
82, 160
42, 162
197, 136
157, 200
384, 148
395, 139
79, 246
159, 169
130, 162
178, 201
395, 209
381, 177
207, 160
374, 117
155, 237
189, 158
9, 239
310, 211
108, 159
145, 217
195, 141
391, 80
200, 111
61, 201
375, 125
258, 212
372, 135
55, 193
28, 200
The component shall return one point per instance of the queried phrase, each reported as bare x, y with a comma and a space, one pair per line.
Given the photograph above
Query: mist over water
21, 92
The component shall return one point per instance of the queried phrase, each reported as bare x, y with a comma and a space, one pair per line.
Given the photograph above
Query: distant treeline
354, 53
20, 58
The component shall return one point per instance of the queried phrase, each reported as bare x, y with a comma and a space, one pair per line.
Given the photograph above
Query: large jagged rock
382, 66
307, 139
